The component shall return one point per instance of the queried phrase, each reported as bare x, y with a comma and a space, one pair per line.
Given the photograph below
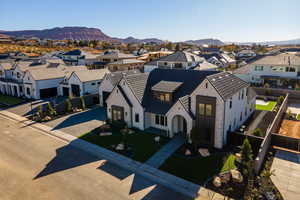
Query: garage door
48, 92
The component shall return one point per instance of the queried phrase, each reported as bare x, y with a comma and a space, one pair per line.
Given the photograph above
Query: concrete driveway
287, 174
37, 166
79, 123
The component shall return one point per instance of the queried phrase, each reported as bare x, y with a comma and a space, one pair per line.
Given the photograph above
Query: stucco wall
105, 86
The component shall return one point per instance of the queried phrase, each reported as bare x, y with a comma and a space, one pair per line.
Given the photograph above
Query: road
37, 166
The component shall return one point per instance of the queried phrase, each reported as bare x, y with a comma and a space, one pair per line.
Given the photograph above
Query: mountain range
75, 33
208, 41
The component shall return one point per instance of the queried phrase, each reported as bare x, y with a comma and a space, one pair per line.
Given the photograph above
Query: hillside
208, 41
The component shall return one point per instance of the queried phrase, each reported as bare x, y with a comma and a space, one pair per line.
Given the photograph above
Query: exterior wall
105, 86
150, 122
74, 80
91, 87
136, 108
123, 67
44, 84
117, 99
219, 123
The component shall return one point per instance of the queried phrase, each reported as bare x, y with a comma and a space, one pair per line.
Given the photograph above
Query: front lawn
142, 144
9, 100
198, 169
269, 107
298, 117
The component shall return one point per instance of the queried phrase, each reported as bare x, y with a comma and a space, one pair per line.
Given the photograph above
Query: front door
75, 90
117, 113
65, 91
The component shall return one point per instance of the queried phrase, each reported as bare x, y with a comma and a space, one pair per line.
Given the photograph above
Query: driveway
36, 166
287, 174
79, 123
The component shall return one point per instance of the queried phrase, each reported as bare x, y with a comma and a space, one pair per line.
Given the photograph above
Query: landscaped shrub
280, 100
50, 110
68, 105
82, 103
40, 111
258, 132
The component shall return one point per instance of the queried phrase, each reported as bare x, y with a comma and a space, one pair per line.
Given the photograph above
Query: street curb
163, 178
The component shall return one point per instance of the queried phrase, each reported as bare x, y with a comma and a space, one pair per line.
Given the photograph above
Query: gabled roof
115, 77
7, 66
90, 75
75, 52
46, 73
137, 83
226, 84
179, 56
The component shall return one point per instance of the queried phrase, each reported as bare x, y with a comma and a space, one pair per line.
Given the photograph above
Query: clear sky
175, 20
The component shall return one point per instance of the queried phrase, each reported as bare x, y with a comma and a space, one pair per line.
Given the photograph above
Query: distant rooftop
284, 59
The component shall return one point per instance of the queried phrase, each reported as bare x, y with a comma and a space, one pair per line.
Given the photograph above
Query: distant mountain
75, 33
208, 41
284, 42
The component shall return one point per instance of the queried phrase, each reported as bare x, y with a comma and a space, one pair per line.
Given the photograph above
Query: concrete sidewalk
165, 152
172, 182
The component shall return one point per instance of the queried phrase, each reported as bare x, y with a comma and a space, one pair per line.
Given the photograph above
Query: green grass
298, 117
198, 169
142, 143
8, 100
268, 107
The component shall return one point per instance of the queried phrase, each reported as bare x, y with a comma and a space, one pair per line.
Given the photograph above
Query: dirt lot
290, 128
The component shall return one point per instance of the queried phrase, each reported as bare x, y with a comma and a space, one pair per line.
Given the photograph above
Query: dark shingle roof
137, 83
76, 52
166, 86
125, 96
179, 56
190, 80
115, 77
226, 84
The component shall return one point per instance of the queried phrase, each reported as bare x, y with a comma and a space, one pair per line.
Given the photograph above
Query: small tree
50, 110
125, 133
246, 157
68, 105
40, 112
82, 103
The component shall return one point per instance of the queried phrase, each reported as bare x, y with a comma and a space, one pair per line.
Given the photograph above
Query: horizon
268, 20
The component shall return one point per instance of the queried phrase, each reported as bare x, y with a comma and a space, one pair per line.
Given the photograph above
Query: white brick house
175, 101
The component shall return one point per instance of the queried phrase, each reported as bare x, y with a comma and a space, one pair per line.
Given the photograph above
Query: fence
89, 100
293, 94
285, 142
268, 138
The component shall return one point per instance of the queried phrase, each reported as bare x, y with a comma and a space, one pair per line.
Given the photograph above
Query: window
241, 116
206, 85
167, 97
28, 91
137, 118
208, 109
157, 119
242, 94
162, 120
290, 69
93, 83
162, 97
98, 83
201, 109
230, 103
259, 68
166, 63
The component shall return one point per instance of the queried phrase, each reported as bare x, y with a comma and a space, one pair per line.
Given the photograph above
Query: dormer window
164, 90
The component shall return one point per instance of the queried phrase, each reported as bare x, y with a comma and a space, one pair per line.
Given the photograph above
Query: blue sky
175, 20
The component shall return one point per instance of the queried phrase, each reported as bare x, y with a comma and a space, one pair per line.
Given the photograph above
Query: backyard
199, 169
265, 105
142, 145
9, 100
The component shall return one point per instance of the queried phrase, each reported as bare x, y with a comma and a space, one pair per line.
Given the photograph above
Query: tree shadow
98, 114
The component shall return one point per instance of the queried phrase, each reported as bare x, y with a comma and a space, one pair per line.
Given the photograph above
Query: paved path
79, 123
165, 152
287, 174
36, 166
256, 121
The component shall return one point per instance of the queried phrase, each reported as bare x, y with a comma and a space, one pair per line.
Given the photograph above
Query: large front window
161, 120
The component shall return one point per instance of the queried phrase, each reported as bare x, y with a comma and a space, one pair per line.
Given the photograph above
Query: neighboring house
154, 55
206, 66
174, 101
83, 82
279, 71
177, 60
220, 59
126, 64
109, 81
245, 53
114, 56
74, 57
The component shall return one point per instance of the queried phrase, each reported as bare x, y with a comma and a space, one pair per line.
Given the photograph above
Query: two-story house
177, 60
174, 101
278, 71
